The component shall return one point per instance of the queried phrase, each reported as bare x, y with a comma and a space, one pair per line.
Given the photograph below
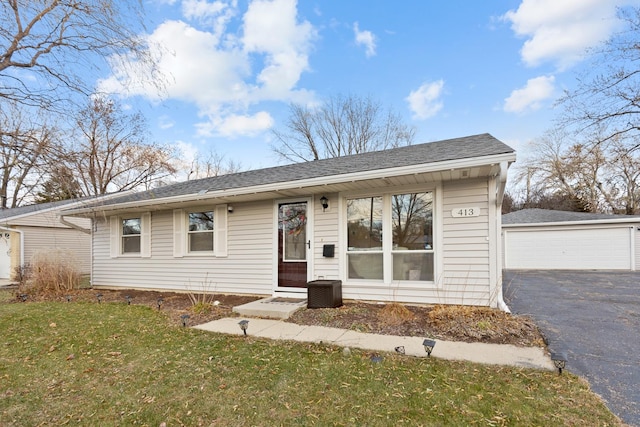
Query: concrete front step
273, 307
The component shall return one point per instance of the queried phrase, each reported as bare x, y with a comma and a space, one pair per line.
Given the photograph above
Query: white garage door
570, 249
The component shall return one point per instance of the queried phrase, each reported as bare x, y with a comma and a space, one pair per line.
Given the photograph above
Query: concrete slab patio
272, 308
494, 354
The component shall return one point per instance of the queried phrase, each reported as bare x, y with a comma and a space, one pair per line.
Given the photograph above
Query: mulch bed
447, 322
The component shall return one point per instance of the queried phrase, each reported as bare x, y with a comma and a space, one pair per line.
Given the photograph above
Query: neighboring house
414, 224
28, 229
560, 240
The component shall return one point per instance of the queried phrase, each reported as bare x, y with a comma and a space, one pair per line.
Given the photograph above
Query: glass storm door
293, 245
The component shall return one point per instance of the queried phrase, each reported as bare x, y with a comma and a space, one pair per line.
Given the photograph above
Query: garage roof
540, 216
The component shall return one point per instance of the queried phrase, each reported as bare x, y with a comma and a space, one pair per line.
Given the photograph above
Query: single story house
26, 230
560, 240
418, 224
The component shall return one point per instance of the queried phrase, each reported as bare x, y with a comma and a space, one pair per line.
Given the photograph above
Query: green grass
114, 364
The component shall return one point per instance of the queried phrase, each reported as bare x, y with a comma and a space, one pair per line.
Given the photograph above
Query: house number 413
465, 212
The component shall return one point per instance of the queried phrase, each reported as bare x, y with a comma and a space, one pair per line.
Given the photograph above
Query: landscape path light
559, 361
185, 319
99, 298
128, 298
244, 324
159, 302
428, 346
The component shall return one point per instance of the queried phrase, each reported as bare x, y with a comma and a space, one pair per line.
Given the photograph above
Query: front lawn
84, 363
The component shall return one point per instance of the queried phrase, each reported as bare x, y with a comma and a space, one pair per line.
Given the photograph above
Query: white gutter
310, 182
11, 230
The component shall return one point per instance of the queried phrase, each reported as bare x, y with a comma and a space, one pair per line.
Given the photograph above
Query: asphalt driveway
593, 317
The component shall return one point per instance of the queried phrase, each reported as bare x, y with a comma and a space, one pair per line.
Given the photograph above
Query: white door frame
288, 292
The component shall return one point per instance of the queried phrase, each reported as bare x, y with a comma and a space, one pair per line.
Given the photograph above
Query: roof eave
310, 182
578, 222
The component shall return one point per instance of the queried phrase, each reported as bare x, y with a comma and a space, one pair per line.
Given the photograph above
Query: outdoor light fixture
244, 324
185, 318
230, 209
400, 349
325, 202
159, 302
99, 297
559, 360
68, 298
23, 297
428, 346
128, 298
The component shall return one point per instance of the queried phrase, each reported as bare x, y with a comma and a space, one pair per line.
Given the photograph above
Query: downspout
72, 225
15, 230
502, 183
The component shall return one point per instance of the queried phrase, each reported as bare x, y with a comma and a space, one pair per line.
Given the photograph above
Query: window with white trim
200, 231
390, 237
131, 235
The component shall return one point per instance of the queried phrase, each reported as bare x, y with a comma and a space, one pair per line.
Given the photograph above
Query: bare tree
112, 152
588, 176
49, 47
212, 164
606, 101
25, 146
341, 126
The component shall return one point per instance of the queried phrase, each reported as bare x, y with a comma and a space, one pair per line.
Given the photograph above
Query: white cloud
211, 65
530, 97
271, 28
366, 39
236, 125
425, 101
561, 31
165, 122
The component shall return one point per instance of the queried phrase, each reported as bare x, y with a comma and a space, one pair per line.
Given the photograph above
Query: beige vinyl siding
48, 219
247, 268
465, 247
326, 233
462, 269
38, 239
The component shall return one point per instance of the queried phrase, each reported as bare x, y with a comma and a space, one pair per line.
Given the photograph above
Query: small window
200, 232
131, 235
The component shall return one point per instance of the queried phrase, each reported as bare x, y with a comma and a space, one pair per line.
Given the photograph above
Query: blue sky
450, 68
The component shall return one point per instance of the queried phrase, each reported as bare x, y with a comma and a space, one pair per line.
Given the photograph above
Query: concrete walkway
493, 354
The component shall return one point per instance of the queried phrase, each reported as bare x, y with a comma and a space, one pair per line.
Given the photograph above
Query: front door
293, 244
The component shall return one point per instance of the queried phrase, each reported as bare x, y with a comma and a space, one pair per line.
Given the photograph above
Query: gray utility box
324, 293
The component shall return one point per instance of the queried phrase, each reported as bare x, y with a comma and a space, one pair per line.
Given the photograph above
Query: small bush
395, 314
55, 271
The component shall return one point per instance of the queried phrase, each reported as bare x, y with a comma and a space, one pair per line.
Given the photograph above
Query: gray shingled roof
29, 209
535, 216
433, 152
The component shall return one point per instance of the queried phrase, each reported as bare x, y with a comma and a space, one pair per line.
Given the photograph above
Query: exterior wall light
325, 202
559, 361
230, 209
428, 346
244, 324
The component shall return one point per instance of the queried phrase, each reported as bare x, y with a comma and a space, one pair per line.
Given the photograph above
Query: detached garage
559, 240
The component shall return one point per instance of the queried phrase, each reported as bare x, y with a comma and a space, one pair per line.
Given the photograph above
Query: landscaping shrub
55, 271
